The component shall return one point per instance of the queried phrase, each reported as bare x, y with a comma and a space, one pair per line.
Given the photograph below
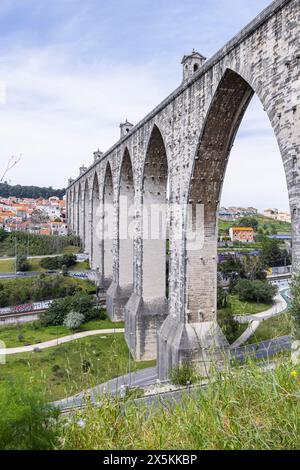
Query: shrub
64, 270
18, 291
73, 320
56, 313
228, 325
37, 244
3, 234
81, 303
255, 291
221, 297
26, 421
22, 263
273, 254
57, 262
184, 374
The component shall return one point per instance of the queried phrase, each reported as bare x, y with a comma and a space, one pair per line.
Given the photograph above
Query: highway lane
145, 377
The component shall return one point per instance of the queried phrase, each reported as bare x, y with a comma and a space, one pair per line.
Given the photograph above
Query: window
196, 66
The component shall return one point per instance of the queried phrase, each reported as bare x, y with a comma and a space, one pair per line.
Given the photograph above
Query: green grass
33, 333
8, 265
237, 307
281, 227
242, 409
80, 266
59, 370
71, 249
272, 328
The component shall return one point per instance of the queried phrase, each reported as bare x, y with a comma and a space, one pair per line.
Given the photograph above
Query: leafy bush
248, 222
228, 325
73, 320
80, 303
232, 265
36, 244
26, 421
221, 297
255, 291
58, 262
19, 291
273, 254
3, 234
22, 263
184, 374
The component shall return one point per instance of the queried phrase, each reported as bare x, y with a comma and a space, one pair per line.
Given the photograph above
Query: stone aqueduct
178, 155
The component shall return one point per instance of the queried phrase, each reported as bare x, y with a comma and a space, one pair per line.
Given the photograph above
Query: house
242, 234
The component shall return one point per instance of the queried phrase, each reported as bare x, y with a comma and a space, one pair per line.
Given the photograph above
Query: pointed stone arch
154, 202
198, 337
108, 227
122, 285
95, 254
148, 307
86, 217
79, 212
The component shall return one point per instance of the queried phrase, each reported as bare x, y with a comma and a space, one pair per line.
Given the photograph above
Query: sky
71, 71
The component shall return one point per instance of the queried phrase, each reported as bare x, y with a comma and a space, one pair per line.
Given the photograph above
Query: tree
21, 263
12, 161
232, 265
39, 217
3, 234
228, 324
73, 320
255, 291
248, 222
221, 297
59, 309
254, 268
57, 262
272, 254
57, 312
34, 192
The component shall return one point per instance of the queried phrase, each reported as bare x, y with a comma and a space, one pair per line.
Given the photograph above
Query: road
145, 377
79, 258
140, 378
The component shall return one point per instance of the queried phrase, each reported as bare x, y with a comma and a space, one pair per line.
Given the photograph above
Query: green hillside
265, 223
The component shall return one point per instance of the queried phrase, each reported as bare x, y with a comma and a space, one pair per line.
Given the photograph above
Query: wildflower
294, 373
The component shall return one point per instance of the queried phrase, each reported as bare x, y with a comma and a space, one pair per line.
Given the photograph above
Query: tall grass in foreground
27, 422
243, 408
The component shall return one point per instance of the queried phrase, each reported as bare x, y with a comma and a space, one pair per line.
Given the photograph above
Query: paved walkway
57, 341
279, 306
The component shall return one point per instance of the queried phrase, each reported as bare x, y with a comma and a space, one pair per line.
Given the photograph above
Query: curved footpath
279, 306
57, 341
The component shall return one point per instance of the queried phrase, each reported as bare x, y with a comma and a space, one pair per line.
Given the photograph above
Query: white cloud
56, 119
98, 63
